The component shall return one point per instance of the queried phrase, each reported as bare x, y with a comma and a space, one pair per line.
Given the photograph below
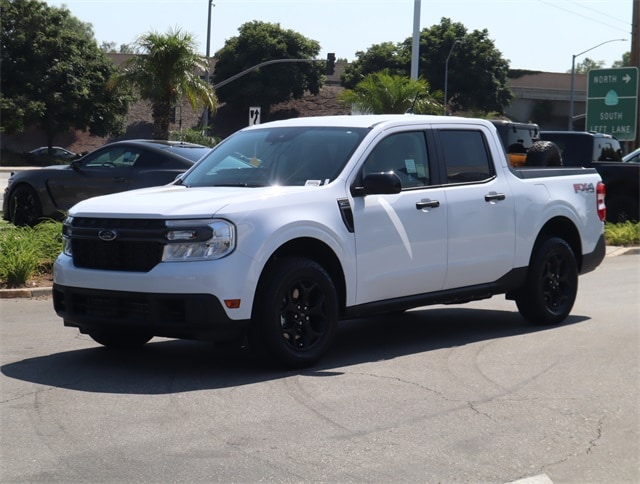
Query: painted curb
25, 292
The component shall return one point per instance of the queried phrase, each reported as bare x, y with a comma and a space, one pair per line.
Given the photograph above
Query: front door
401, 239
107, 170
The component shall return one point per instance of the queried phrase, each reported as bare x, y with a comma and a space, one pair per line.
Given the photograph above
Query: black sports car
48, 192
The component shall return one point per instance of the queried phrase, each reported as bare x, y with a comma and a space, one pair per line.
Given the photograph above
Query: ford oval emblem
107, 235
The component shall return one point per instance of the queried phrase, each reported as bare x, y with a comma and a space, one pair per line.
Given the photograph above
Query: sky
531, 34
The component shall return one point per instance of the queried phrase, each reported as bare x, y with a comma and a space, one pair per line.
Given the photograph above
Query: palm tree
384, 93
165, 71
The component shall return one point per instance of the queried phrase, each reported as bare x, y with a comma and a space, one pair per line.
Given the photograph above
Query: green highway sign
612, 102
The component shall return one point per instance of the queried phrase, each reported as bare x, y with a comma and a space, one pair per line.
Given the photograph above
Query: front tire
24, 206
552, 284
296, 313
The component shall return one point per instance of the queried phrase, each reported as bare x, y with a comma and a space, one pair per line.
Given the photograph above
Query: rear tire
120, 340
296, 313
24, 206
552, 284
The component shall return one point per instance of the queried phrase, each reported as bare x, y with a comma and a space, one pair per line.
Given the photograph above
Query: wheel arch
315, 250
565, 229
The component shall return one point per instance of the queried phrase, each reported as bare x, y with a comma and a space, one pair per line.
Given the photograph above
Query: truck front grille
136, 247
116, 256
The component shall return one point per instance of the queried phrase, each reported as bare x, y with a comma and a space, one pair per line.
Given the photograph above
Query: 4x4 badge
107, 235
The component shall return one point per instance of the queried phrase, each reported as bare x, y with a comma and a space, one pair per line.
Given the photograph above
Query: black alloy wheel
552, 284
296, 312
24, 206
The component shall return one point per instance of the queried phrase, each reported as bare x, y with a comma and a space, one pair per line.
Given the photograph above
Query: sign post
612, 102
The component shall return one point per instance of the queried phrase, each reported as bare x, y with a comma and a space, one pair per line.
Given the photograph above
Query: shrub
26, 251
193, 136
18, 256
627, 233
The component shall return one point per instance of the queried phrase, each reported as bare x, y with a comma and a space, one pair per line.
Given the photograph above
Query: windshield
299, 156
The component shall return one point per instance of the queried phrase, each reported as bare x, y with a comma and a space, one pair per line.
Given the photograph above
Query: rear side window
609, 150
158, 161
466, 156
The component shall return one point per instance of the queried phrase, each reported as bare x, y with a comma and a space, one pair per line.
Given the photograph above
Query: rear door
480, 213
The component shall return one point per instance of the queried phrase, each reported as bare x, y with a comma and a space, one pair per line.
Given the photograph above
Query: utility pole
635, 51
205, 117
415, 44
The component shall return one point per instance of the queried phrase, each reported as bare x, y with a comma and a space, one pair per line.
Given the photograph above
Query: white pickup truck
288, 227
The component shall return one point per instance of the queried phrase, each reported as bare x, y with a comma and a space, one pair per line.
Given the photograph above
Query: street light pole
573, 75
446, 74
415, 42
205, 117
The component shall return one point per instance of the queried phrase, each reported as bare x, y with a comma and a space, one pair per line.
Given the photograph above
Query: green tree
53, 75
586, 65
386, 93
164, 71
378, 57
112, 47
259, 42
624, 62
477, 74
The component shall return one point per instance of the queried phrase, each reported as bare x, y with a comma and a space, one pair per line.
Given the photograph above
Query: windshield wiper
249, 184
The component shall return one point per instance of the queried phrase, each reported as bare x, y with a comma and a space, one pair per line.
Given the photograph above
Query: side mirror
383, 183
75, 165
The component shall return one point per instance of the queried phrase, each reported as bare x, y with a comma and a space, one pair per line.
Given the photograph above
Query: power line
599, 12
600, 22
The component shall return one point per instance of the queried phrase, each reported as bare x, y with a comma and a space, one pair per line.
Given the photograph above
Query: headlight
66, 236
197, 240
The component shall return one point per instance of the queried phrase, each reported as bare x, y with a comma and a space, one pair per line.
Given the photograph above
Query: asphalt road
445, 394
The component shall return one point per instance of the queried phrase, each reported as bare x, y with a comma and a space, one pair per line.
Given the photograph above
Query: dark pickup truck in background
604, 153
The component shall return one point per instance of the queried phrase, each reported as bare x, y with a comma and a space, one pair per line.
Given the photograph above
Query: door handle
493, 196
427, 204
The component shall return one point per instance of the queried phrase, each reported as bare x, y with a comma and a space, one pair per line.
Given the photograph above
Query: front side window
304, 156
466, 156
403, 153
117, 156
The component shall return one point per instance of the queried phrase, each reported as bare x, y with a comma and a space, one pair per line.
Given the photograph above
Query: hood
174, 201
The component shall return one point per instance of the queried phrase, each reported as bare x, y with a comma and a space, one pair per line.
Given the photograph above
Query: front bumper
187, 316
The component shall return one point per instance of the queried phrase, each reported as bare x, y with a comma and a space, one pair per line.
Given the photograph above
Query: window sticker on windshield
313, 183
410, 165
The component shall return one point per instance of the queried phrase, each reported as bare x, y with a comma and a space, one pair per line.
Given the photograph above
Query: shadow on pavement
176, 366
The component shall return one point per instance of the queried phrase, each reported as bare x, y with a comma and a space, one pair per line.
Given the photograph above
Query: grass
28, 252
624, 234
